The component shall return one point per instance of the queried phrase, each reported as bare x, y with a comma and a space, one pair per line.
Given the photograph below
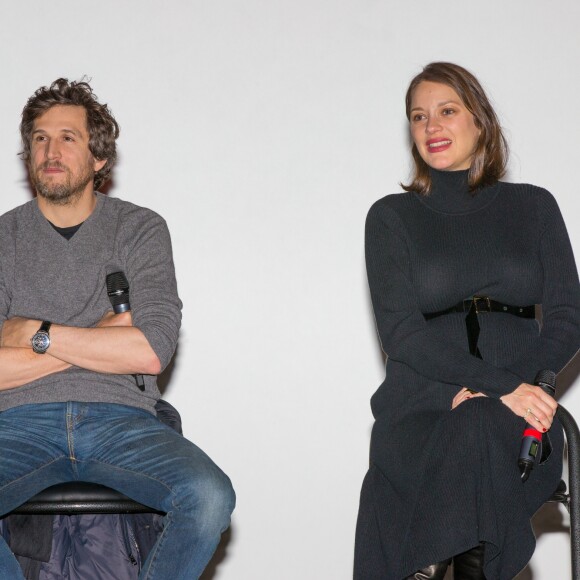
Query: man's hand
19, 364
464, 395
112, 319
17, 332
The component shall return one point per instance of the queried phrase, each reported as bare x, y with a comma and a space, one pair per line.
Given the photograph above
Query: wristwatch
41, 339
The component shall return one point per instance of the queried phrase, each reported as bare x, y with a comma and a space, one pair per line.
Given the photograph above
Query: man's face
61, 166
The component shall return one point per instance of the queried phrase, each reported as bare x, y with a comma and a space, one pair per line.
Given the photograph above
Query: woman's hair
101, 125
491, 151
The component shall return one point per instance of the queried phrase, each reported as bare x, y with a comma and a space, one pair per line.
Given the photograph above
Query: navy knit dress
443, 481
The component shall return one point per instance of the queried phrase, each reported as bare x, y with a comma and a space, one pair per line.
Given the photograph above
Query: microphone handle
140, 380
118, 308
531, 447
530, 450
118, 292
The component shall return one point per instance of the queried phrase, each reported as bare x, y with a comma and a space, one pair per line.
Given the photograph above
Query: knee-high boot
432, 572
469, 565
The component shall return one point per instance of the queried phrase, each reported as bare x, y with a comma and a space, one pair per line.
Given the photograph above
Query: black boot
469, 565
433, 572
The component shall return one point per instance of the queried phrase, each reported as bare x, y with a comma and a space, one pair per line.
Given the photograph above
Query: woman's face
442, 128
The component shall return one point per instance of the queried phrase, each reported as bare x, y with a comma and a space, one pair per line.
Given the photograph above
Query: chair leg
469, 565
432, 572
573, 438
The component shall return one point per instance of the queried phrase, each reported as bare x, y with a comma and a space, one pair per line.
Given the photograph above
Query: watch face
40, 342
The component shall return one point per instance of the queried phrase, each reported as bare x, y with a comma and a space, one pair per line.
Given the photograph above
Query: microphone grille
118, 289
117, 281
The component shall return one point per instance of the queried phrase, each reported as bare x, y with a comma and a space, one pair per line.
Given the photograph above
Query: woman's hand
464, 395
531, 403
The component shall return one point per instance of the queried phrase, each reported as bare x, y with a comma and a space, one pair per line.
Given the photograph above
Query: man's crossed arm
114, 346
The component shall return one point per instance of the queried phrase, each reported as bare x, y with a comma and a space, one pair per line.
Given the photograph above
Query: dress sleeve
155, 304
405, 335
560, 334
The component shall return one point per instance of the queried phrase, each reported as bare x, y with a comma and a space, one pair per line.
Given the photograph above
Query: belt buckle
478, 301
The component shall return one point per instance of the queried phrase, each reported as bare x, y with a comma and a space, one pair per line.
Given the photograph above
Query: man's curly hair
101, 125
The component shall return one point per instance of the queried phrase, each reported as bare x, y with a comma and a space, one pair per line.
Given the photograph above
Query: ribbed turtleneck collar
450, 193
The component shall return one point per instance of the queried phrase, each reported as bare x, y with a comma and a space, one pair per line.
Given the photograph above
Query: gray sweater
46, 277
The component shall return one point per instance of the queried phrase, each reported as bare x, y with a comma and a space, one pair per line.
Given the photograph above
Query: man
78, 385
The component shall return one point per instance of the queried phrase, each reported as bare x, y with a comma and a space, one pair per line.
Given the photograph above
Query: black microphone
531, 448
118, 293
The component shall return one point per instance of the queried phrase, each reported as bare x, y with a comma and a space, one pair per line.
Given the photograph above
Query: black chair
80, 497
571, 499
35, 518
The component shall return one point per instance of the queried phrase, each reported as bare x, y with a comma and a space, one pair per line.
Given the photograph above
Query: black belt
477, 305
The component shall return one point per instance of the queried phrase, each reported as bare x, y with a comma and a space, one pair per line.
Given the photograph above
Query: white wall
263, 131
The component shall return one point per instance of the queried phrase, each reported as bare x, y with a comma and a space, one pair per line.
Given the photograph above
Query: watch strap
45, 326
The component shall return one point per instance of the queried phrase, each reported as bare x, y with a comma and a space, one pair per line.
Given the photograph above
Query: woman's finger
464, 395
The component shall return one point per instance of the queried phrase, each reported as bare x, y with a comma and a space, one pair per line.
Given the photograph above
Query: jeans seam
158, 545
69, 437
31, 472
141, 473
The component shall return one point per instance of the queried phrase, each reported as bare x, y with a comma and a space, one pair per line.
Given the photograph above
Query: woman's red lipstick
439, 144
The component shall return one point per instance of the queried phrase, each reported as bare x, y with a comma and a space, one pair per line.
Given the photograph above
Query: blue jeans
129, 450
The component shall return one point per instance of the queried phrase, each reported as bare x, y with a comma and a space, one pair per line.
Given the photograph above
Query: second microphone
118, 293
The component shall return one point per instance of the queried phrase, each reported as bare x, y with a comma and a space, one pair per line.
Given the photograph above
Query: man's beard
63, 193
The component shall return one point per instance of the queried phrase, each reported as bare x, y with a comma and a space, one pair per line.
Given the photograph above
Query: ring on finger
528, 413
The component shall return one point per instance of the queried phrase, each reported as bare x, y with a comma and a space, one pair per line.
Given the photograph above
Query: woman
455, 266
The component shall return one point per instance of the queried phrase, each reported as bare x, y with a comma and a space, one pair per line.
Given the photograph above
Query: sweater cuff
501, 384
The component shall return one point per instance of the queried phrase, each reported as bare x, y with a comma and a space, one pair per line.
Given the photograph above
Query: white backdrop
263, 131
